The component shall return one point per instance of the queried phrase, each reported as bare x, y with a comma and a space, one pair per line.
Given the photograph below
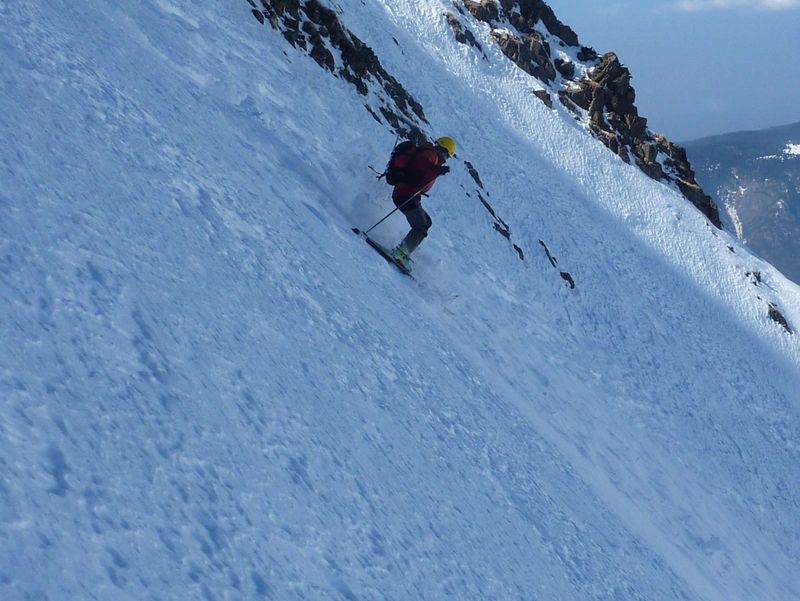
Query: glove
444, 169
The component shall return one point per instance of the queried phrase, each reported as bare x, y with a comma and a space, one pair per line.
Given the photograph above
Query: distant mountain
755, 176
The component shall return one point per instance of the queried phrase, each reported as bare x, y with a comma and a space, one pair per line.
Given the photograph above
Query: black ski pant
420, 223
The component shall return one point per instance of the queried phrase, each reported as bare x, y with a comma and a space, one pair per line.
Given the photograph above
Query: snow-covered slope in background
211, 389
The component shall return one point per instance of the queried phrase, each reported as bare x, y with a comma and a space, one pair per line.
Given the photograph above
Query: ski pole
417, 193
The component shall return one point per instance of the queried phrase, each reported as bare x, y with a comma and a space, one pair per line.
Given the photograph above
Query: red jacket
422, 172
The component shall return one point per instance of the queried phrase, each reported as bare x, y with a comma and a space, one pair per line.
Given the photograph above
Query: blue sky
700, 67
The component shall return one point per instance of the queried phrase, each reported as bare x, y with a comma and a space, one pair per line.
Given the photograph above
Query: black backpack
396, 168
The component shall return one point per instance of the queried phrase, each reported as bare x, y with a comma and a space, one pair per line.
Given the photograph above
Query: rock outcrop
609, 100
528, 49
463, 34
776, 316
597, 90
309, 25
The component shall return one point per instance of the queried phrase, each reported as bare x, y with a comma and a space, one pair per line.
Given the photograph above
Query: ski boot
400, 254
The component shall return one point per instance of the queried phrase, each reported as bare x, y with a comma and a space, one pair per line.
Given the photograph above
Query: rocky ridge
596, 89
317, 29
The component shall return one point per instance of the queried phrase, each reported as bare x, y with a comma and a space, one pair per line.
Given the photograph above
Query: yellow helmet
449, 144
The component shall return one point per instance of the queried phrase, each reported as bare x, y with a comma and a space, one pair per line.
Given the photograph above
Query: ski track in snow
212, 389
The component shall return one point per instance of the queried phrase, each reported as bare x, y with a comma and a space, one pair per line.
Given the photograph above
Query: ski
384, 252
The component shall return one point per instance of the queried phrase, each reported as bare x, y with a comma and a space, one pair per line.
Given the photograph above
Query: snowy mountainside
756, 176
211, 389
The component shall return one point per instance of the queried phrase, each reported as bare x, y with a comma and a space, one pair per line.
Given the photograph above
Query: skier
421, 166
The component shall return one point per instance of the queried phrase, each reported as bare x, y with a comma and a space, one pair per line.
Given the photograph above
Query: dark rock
615, 79
587, 54
606, 137
608, 70
580, 95
309, 28
319, 14
463, 36
652, 170
487, 206
258, 15
473, 173
756, 277
315, 28
503, 230
623, 153
554, 262
701, 200
529, 50
320, 53
279, 7
358, 82
545, 97
295, 38
637, 126
547, 252
557, 28
647, 154
524, 14
564, 98
778, 317
373, 113
484, 10
499, 225
599, 97
566, 68
360, 58
529, 53
403, 127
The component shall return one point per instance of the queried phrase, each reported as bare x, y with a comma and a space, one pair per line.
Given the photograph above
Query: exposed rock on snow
309, 25
602, 95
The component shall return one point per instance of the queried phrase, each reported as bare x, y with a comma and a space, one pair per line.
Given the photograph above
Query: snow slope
211, 389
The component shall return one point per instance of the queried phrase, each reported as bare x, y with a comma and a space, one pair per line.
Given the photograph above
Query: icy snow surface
211, 389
